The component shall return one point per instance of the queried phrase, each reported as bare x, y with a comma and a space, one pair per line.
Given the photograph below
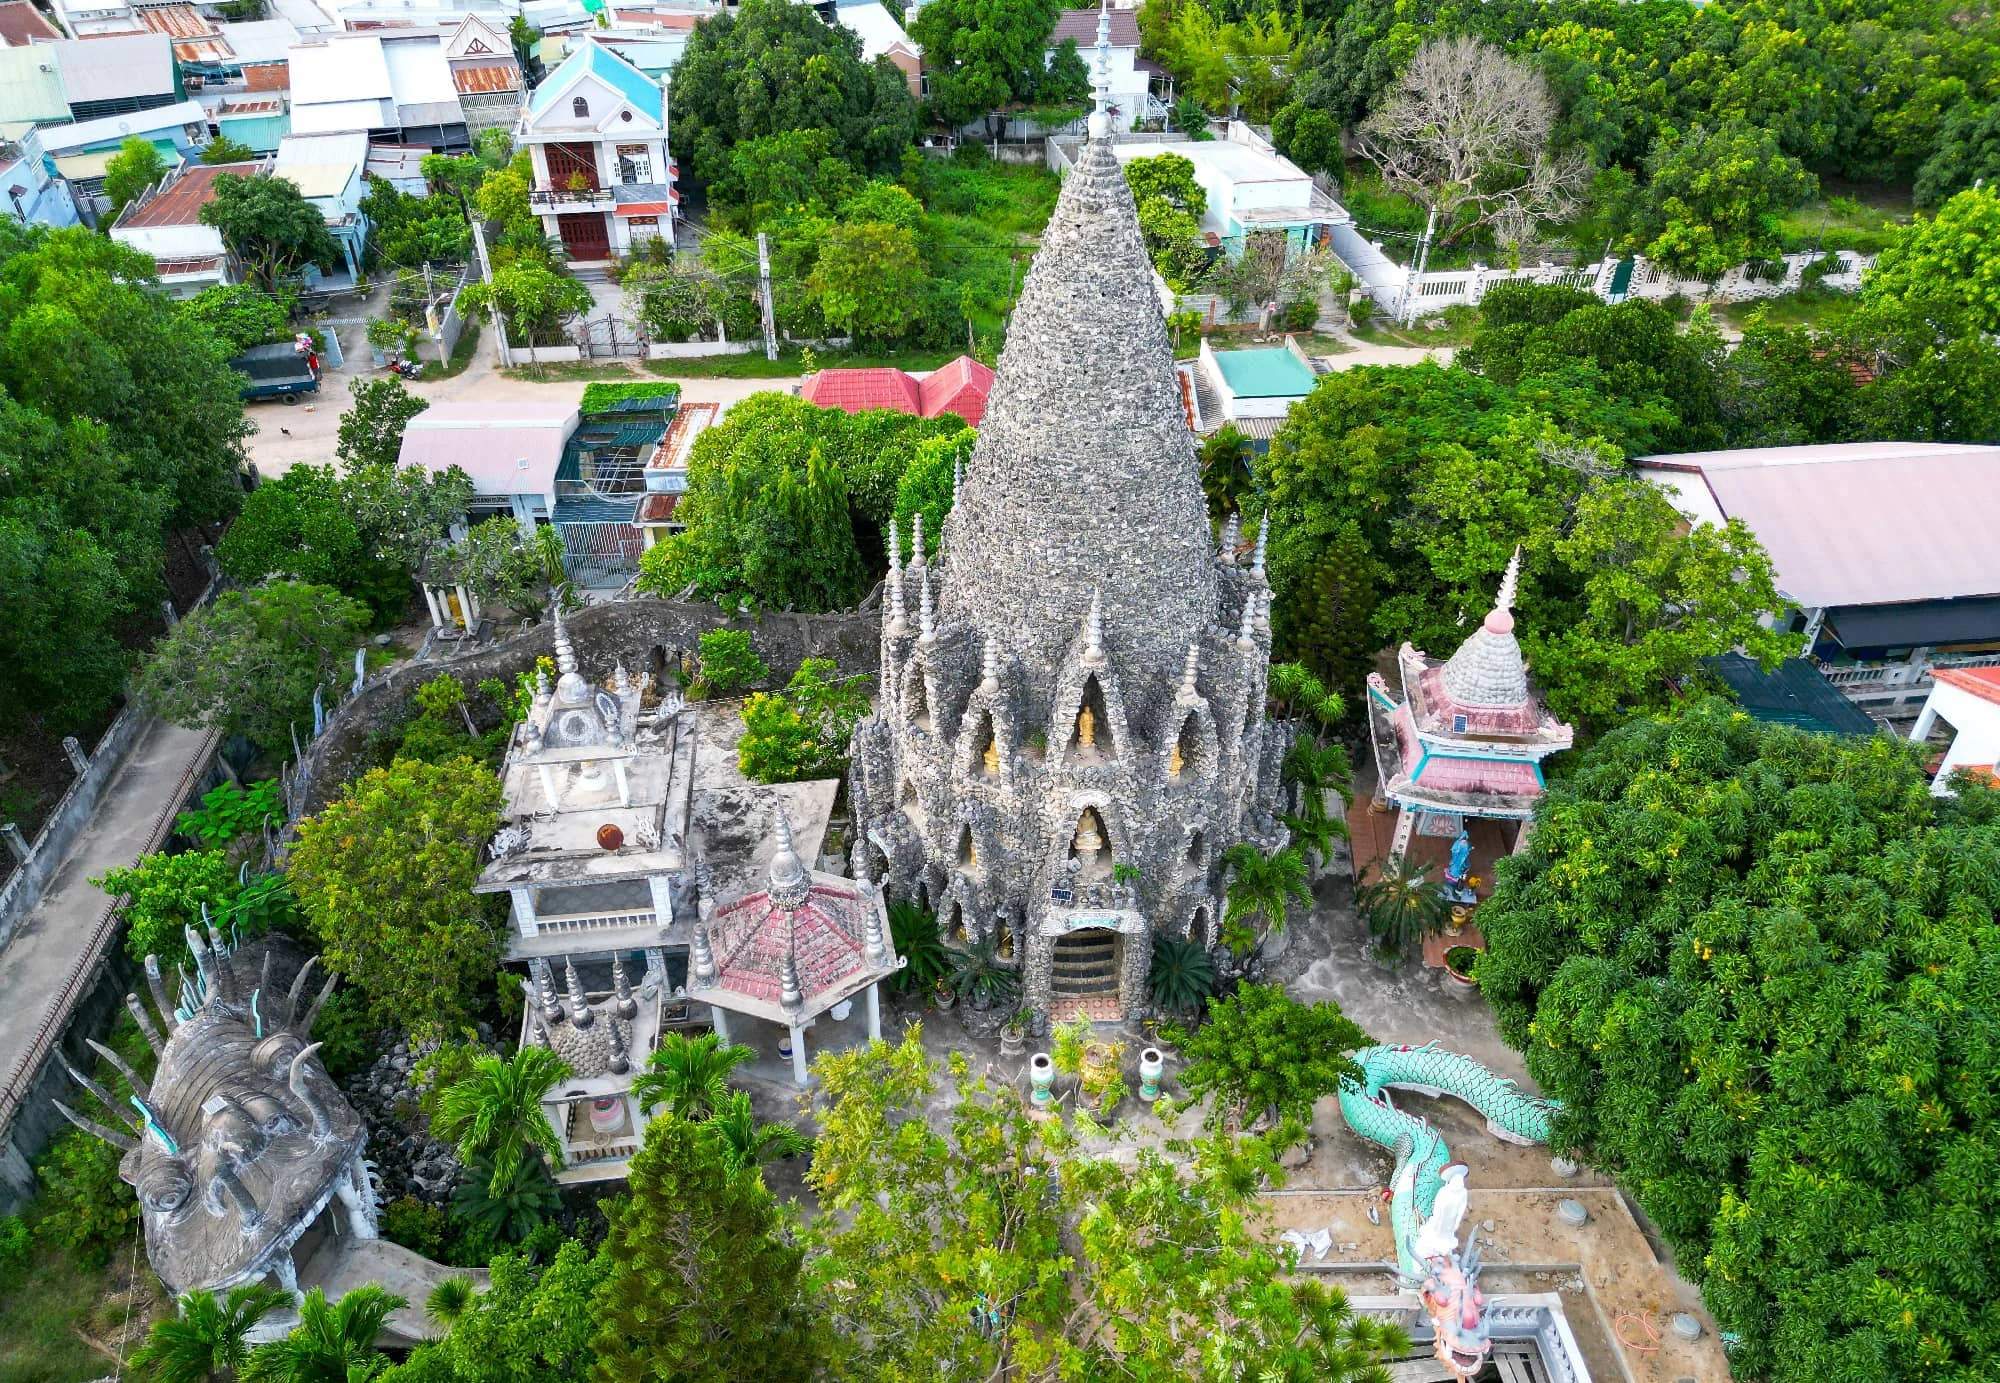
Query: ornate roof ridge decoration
241, 1138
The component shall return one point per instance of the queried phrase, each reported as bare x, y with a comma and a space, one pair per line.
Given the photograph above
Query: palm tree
1401, 906
506, 1209
742, 1143
497, 1111
449, 1300
690, 1076
203, 1343
334, 1342
1265, 886
1316, 770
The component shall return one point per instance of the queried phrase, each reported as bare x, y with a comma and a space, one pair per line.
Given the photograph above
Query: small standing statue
1455, 887
1086, 729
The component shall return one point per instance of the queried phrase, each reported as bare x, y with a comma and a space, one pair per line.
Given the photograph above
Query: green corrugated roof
1794, 693
1273, 373
31, 88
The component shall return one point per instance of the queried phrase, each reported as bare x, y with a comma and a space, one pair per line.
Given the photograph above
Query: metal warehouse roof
1864, 523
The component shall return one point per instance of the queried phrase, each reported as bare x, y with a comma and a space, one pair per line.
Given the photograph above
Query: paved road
286, 436
133, 816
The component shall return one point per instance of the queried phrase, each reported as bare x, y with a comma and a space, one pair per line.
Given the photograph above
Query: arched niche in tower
985, 744
916, 701
968, 851
1198, 927
1183, 757
1090, 845
1090, 728
1003, 940
1197, 849
952, 926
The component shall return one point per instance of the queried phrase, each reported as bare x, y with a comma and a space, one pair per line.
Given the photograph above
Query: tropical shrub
804, 731
1263, 1052
1182, 976
915, 932
729, 662
84, 1206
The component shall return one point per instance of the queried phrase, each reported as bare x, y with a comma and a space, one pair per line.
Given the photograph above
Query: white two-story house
596, 129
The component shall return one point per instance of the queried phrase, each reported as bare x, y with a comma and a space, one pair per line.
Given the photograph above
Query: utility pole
764, 292
1411, 291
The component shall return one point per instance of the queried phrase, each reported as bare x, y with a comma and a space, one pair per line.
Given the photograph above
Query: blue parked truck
282, 371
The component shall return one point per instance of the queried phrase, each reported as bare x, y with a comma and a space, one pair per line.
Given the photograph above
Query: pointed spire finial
1263, 540
926, 626
1263, 603
618, 1064
898, 622
580, 1014
1093, 636
989, 679
1100, 114
917, 540
872, 948
1510, 583
790, 995
628, 1007
1245, 638
790, 883
703, 974
1232, 534
571, 689
1188, 692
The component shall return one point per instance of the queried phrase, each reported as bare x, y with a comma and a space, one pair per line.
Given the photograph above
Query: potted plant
1459, 978
1102, 1076
944, 996
978, 975
1401, 907
1014, 1036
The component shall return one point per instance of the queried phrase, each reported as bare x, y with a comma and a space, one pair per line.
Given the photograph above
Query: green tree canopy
1756, 966
371, 432
532, 1325
385, 876
239, 315
982, 55
538, 301
248, 663
779, 495
993, 1247
703, 1281
1715, 196
223, 149
770, 66
1949, 258
135, 167
870, 279
269, 226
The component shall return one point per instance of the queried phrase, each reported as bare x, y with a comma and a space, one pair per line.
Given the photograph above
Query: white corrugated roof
875, 27
490, 441
418, 72
321, 165
260, 40
347, 68
105, 69
1864, 523
333, 117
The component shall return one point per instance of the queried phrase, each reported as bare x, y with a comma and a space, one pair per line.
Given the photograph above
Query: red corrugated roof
21, 24
1982, 682
960, 387
475, 78
856, 391
166, 268
181, 201
657, 507
268, 76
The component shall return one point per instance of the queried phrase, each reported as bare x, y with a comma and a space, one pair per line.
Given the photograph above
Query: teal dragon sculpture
1427, 1191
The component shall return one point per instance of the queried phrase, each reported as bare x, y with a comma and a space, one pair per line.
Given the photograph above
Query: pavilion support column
662, 888
1521, 837
875, 1012
624, 786
523, 900
431, 603
1406, 826
1926, 722
465, 615
799, 1057
721, 1023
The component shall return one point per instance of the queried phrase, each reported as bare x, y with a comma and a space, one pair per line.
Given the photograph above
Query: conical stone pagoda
1071, 726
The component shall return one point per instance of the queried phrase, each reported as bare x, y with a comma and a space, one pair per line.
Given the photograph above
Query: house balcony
1897, 689
563, 199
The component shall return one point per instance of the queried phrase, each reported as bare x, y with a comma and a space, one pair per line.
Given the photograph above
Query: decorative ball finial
1245, 637
1100, 114
989, 680
926, 622
703, 974
1500, 620
1263, 540
1188, 692
571, 689
1232, 532
917, 539
898, 622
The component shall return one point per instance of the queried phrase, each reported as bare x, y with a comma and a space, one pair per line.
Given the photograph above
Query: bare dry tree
1464, 131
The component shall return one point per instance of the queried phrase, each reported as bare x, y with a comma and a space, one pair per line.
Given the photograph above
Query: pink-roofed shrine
806, 943
1466, 737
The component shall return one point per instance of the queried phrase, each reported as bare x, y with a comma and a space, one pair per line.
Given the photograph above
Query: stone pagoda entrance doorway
1084, 974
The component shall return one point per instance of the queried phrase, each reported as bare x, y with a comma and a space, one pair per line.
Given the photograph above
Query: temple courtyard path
50, 962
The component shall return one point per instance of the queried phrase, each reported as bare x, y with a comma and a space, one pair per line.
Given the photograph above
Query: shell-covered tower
1071, 726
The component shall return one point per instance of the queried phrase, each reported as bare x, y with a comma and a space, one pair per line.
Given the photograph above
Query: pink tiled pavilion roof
826, 936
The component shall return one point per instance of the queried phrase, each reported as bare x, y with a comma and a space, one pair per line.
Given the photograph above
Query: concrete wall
23, 889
